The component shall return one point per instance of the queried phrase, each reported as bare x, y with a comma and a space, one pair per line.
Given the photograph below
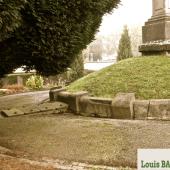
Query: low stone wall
152, 109
123, 106
96, 107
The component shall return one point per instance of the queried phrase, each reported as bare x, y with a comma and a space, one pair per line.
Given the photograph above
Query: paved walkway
21, 99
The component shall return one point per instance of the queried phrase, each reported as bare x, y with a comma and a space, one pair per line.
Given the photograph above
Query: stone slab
101, 100
140, 109
54, 107
159, 109
157, 28
47, 108
155, 48
72, 99
12, 112
30, 109
122, 106
53, 94
95, 107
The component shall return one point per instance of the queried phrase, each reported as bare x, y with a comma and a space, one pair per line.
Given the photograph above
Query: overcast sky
130, 12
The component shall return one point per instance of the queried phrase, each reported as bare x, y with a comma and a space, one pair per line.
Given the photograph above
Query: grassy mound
147, 77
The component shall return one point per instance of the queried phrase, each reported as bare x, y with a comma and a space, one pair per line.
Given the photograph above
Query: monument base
157, 28
155, 48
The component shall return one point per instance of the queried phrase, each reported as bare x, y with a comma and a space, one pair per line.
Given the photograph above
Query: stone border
123, 106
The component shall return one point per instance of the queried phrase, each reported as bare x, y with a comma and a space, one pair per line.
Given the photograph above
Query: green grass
147, 77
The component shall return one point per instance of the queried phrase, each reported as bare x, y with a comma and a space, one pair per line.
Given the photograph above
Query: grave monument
156, 31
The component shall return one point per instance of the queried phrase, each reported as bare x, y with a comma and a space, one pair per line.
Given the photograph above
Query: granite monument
156, 31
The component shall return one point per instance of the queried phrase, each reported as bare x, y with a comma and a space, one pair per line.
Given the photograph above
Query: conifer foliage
124, 49
46, 35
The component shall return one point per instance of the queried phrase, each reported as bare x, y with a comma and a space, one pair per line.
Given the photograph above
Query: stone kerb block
122, 106
53, 94
95, 107
159, 109
72, 99
140, 109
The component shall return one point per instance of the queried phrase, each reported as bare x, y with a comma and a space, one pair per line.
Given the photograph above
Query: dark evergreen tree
46, 35
124, 49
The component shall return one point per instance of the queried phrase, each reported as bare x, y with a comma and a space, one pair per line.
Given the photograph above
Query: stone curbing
123, 106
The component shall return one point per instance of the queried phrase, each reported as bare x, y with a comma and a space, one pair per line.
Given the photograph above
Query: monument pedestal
156, 32
155, 48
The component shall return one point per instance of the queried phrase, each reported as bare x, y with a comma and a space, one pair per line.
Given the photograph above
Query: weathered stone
55, 107
20, 80
50, 107
72, 99
140, 109
30, 109
159, 109
95, 107
122, 106
157, 29
155, 48
101, 100
53, 94
1, 116
12, 112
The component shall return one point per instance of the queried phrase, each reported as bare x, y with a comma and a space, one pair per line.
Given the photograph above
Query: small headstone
19, 80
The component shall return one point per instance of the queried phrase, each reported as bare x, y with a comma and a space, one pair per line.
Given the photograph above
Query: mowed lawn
74, 138
147, 77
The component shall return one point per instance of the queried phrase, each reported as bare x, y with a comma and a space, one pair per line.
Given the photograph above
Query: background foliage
124, 49
35, 82
77, 68
47, 35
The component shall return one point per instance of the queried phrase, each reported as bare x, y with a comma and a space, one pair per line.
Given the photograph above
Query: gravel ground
90, 140
12, 163
74, 138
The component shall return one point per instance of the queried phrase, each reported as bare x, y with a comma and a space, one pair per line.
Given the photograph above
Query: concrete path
18, 100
